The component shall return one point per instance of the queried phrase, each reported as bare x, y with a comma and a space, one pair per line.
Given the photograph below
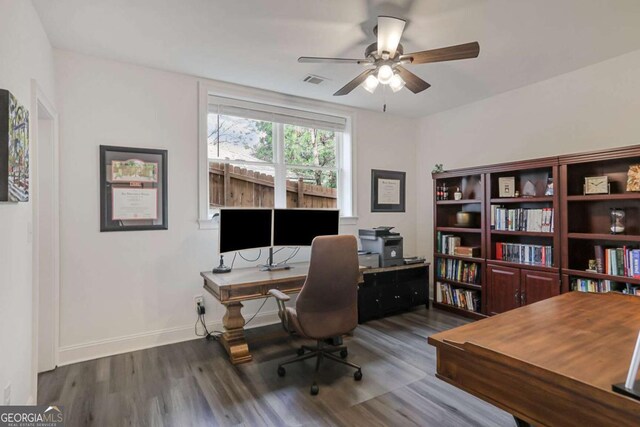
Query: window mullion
280, 190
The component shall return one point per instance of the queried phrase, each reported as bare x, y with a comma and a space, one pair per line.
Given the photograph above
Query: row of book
622, 261
590, 285
458, 270
461, 298
535, 220
525, 254
447, 243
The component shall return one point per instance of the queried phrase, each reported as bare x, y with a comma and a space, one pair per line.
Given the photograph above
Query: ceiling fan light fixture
389, 33
396, 83
385, 74
370, 84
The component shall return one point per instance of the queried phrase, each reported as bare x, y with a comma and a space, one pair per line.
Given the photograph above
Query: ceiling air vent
313, 79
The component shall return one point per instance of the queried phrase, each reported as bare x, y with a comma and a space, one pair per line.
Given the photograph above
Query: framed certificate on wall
387, 191
133, 189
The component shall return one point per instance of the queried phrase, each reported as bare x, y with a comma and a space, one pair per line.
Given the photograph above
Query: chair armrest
279, 295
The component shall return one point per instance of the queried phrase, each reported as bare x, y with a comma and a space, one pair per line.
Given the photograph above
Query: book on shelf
599, 259
591, 285
522, 219
525, 254
458, 270
447, 243
622, 261
461, 298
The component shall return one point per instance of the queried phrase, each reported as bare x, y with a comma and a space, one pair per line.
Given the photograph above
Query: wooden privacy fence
235, 186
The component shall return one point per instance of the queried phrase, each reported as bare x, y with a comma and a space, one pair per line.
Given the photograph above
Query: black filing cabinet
392, 289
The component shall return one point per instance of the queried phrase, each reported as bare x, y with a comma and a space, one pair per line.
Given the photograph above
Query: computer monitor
298, 227
245, 229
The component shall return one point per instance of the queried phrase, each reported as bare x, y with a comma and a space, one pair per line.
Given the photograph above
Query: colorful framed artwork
133, 189
14, 149
387, 191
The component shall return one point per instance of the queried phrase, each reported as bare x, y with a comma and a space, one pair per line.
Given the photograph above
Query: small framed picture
507, 186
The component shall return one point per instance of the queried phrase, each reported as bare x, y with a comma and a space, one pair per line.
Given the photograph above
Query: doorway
46, 246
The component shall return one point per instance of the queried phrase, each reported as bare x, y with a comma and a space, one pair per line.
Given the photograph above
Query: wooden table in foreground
551, 363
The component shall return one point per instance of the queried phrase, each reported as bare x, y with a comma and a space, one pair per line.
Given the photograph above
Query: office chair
327, 305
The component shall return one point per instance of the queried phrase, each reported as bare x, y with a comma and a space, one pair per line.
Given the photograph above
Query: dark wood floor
192, 383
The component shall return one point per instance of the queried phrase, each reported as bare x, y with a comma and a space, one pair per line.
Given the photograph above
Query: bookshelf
455, 292
505, 225
523, 235
586, 221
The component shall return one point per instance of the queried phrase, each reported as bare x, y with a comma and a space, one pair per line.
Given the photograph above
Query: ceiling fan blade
412, 82
451, 53
389, 33
316, 59
353, 83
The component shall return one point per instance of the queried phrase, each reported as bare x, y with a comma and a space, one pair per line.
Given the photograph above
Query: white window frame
345, 149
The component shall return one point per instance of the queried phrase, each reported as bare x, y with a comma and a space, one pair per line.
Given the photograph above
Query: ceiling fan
386, 59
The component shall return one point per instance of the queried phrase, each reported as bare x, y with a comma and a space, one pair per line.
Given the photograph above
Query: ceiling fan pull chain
384, 99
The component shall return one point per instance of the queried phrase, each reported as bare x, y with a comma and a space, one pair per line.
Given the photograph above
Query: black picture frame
378, 177
157, 180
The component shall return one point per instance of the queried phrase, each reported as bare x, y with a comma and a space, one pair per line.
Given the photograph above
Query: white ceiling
257, 42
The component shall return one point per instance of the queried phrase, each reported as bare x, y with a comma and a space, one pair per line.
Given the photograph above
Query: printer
382, 241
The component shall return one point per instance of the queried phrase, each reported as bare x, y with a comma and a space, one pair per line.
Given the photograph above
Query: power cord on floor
215, 335
210, 336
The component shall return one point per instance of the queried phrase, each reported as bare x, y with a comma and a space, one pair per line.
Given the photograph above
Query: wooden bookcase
586, 220
516, 282
580, 223
471, 185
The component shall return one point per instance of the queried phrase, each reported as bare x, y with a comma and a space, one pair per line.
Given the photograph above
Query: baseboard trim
124, 344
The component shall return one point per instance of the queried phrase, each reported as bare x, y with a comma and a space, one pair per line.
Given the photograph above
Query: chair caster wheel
315, 389
281, 371
357, 375
344, 353
300, 351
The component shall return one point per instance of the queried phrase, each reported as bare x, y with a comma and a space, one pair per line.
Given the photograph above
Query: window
260, 155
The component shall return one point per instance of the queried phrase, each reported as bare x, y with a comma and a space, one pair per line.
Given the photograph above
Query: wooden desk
550, 363
245, 284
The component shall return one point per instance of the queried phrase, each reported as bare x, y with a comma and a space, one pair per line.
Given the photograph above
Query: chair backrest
328, 302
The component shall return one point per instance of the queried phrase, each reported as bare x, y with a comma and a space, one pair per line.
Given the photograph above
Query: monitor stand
270, 266
221, 268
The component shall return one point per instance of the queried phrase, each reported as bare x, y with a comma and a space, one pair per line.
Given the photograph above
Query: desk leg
233, 338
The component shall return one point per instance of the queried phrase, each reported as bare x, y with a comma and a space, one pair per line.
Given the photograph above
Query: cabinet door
538, 285
503, 284
416, 281
369, 298
389, 291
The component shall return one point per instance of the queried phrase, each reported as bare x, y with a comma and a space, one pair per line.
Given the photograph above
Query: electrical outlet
7, 394
198, 300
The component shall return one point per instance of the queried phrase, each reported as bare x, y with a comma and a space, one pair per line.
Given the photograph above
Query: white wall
588, 109
126, 290
26, 54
